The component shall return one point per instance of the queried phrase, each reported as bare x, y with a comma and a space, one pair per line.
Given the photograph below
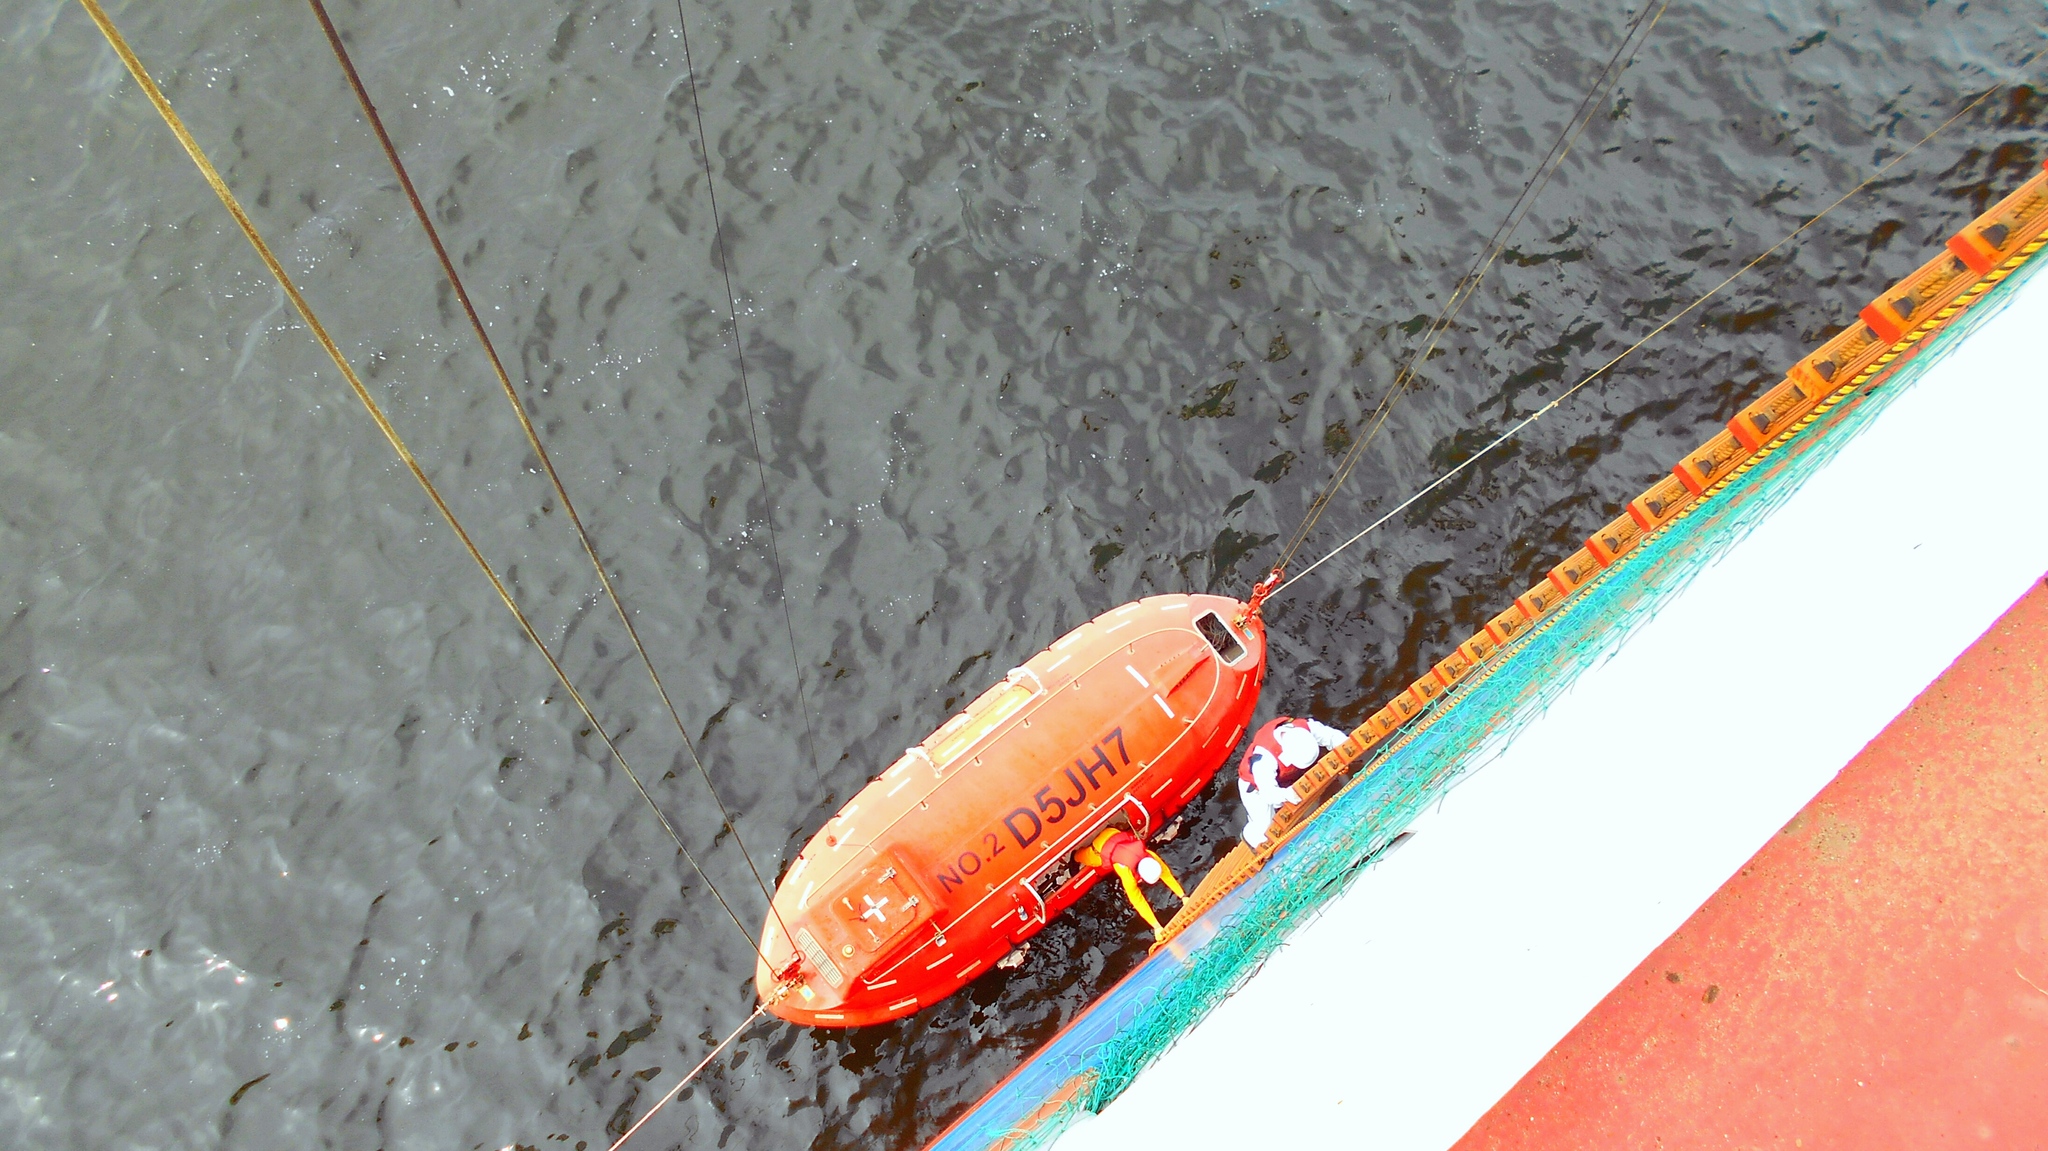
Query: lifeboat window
983, 716
1220, 637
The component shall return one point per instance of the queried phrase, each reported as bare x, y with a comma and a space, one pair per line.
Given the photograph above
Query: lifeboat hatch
1220, 637
879, 906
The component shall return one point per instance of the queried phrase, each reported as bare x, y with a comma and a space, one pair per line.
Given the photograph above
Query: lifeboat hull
963, 848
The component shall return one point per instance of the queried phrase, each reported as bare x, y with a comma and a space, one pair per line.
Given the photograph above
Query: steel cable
687, 1079
1482, 263
547, 464
1602, 370
384, 425
746, 391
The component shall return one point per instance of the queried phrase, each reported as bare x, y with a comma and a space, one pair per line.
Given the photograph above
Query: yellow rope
234, 207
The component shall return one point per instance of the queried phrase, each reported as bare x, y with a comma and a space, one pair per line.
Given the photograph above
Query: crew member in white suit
1281, 752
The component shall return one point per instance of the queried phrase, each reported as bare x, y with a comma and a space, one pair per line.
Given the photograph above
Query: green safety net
1478, 716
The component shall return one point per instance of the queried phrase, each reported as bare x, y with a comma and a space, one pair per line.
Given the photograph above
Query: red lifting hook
1260, 591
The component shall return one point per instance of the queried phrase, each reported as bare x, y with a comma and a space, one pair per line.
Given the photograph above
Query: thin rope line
547, 464
732, 309
1468, 285
1596, 373
685, 1082
234, 207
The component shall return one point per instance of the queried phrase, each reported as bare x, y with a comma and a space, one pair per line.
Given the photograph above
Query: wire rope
384, 425
355, 83
688, 1078
1602, 370
746, 391
1482, 263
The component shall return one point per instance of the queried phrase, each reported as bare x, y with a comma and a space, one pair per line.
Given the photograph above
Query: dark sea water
1044, 308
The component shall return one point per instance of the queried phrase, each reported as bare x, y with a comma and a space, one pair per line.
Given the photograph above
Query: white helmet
1298, 749
1148, 869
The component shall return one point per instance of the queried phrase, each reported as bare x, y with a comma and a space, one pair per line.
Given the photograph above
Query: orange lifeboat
965, 847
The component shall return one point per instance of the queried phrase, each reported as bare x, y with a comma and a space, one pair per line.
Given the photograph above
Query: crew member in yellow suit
1120, 851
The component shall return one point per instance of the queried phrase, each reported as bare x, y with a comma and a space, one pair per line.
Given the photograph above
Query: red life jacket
1267, 739
1120, 848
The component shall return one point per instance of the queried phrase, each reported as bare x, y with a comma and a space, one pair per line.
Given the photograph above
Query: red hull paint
1873, 978
962, 849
